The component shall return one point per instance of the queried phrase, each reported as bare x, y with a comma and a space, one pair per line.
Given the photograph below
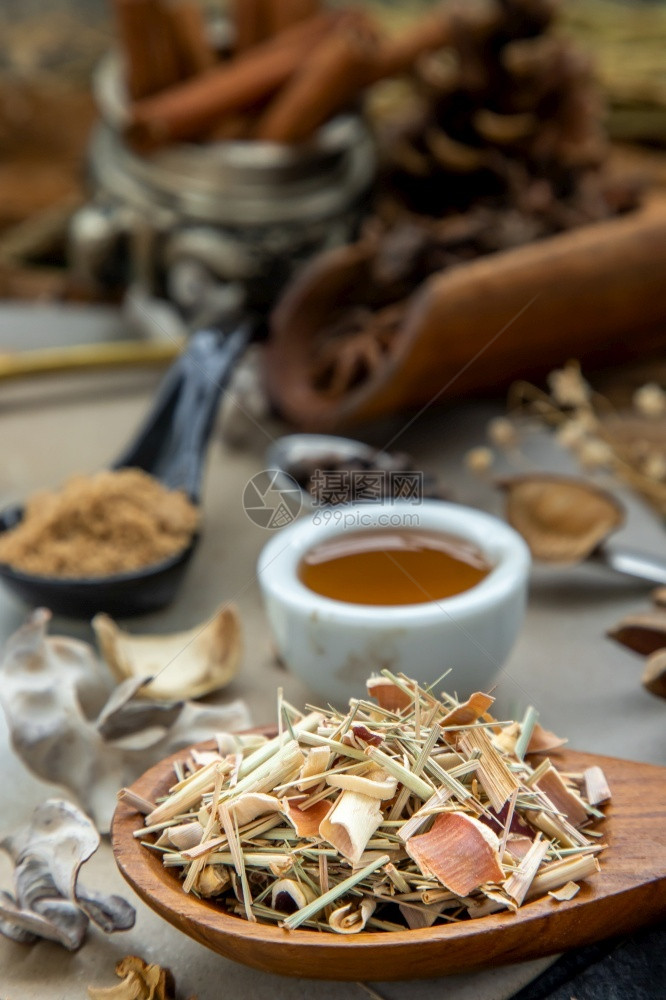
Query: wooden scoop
629, 892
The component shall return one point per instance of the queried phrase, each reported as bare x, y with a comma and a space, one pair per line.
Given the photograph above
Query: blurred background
47, 54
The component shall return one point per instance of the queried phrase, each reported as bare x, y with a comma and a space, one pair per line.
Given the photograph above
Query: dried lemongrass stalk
518, 883
350, 919
351, 824
566, 893
562, 872
596, 786
430, 806
498, 781
315, 763
564, 800
377, 784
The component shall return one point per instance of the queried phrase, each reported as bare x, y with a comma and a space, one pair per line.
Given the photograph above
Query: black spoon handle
172, 442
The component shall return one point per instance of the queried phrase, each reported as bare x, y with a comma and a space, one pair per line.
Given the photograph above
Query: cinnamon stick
329, 79
188, 31
399, 54
252, 23
283, 14
188, 110
151, 59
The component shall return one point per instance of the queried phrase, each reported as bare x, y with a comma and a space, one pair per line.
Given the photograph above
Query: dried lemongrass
315, 764
561, 519
519, 882
564, 800
567, 892
251, 805
377, 784
424, 804
498, 781
351, 824
288, 895
350, 919
596, 786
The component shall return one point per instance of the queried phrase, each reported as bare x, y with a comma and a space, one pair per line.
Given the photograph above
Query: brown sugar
111, 522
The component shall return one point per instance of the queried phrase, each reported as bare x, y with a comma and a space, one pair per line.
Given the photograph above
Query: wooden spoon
629, 892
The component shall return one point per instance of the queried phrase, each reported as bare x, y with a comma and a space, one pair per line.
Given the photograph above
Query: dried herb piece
654, 675
140, 981
84, 737
562, 520
645, 633
185, 665
48, 901
458, 851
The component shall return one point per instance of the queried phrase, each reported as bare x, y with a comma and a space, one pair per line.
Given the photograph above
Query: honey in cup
393, 567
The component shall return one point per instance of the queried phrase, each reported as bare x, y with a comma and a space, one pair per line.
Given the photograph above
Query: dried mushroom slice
139, 981
562, 520
68, 731
48, 902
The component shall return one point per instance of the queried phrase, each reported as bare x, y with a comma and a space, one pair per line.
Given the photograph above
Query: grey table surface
586, 688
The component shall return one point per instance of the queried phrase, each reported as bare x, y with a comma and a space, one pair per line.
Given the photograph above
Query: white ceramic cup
334, 646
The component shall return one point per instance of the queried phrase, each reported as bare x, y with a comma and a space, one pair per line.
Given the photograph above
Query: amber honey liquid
389, 567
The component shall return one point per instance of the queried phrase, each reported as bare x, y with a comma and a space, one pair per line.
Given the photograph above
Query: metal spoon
171, 446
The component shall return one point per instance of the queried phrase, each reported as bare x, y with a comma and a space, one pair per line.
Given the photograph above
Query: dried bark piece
544, 741
459, 851
48, 902
654, 675
504, 129
306, 822
518, 846
470, 711
140, 981
387, 694
562, 520
644, 633
184, 665
564, 800
351, 823
212, 880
